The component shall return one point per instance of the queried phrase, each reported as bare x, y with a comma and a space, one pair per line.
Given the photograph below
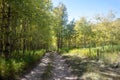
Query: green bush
64, 50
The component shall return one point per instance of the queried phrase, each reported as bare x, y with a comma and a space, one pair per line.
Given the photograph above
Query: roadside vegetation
96, 64
18, 65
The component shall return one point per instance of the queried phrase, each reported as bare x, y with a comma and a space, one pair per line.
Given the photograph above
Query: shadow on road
87, 69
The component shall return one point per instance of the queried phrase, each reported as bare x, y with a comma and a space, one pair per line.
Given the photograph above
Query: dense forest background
30, 27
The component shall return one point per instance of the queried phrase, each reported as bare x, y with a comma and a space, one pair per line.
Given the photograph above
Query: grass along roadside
107, 55
48, 71
18, 65
94, 66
